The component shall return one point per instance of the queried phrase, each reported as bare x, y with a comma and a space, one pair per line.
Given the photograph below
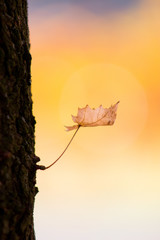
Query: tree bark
17, 159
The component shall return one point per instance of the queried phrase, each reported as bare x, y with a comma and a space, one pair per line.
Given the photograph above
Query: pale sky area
101, 6
107, 184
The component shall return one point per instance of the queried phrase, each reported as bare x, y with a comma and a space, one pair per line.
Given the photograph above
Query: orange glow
82, 58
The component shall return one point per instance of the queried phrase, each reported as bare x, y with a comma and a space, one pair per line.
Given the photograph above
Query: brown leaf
87, 117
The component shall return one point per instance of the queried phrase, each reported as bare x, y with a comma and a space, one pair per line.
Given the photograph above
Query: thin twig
44, 168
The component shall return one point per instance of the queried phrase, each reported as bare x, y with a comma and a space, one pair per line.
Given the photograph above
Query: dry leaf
87, 117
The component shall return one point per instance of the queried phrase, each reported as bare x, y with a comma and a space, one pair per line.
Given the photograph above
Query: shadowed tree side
17, 159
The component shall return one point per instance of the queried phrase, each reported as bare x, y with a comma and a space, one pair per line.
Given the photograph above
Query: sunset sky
107, 184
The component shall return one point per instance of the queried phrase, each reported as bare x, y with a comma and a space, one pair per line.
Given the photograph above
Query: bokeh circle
105, 84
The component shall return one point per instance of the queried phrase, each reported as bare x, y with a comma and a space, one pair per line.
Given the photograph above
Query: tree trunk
17, 159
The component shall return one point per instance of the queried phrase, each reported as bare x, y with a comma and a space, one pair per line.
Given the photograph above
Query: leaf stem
44, 168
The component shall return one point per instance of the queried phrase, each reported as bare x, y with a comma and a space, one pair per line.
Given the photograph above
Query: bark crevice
17, 124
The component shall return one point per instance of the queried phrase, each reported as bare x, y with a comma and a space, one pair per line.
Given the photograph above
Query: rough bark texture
17, 160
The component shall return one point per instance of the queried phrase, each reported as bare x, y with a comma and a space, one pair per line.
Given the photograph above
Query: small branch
41, 167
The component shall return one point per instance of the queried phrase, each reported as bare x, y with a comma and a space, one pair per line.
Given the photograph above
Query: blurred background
107, 185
